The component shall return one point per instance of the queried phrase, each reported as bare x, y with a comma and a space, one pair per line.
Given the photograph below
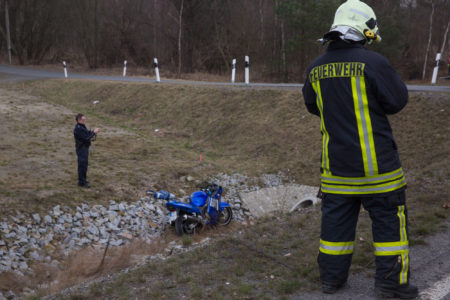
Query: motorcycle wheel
183, 226
179, 226
225, 216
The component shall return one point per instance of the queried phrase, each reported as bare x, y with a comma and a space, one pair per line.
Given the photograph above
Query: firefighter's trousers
389, 230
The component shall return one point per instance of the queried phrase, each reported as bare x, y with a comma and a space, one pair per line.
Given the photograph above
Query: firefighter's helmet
354, 20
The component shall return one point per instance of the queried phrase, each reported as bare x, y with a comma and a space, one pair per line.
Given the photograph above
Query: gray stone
159, 211
59, 228
49, 237
113, 227
57, 211
10, 235
116, 222
122, 206
103, 232
68, 218
10, 295
149, 206
101, 221
71, 244
22, 229
4, 268
84, 241
23, 266
116, 242
37, 218
47, 219
93, 229
35, 255
6, 262
15, 220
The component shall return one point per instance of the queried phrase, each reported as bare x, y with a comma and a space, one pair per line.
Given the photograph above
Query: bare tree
429, 40
179, 21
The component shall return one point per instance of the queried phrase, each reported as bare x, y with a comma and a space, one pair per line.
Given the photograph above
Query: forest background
203, 36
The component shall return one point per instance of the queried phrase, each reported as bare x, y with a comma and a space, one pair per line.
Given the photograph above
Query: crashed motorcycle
204, 208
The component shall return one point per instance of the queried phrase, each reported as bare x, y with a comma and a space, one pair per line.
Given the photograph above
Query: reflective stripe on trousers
399, 248
336, 248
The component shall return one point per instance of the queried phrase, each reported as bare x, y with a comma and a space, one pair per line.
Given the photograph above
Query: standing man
352, 90
83, 139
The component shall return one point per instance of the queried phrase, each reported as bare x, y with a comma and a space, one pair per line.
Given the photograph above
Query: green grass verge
251, 131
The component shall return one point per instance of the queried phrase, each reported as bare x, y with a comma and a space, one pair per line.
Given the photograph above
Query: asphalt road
20, 73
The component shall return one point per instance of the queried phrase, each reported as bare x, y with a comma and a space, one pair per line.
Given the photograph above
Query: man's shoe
330, 288
86, 185
402, 291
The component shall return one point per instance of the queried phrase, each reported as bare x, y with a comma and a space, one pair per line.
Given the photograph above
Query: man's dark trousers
82, 153
390, 233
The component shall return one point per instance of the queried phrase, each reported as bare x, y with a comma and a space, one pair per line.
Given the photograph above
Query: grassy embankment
236, 130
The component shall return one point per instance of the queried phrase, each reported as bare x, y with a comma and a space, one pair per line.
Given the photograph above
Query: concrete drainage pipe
305, 202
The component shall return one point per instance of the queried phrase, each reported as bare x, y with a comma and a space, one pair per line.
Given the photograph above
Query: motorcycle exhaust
194, 219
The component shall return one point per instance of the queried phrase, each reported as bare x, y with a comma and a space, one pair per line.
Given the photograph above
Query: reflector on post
65, 69
247, 70
233, 70
124, 68
155, 65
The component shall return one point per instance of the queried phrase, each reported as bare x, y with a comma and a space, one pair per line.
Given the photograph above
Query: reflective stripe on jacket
352, 89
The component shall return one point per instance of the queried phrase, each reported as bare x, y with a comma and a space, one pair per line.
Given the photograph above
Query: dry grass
250, 131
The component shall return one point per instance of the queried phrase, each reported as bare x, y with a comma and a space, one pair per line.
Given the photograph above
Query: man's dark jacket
82, 136
352, 89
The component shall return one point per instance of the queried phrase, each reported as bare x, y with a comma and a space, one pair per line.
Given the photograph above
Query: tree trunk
95, 44
180, 29
261, 22
8, 35
429, 40
154, 13
445, 37
283, 53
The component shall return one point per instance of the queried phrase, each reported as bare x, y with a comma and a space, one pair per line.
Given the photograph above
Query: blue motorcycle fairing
198, 198
183, 206
223, 205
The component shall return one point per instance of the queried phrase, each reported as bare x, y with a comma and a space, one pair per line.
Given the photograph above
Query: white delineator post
247, 70
233, 70
65, 69
124, 68
436, 67
155, 65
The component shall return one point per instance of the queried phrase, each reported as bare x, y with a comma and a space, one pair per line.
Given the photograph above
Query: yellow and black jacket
352, 89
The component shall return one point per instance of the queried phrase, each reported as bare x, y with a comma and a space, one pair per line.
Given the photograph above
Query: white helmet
354, 20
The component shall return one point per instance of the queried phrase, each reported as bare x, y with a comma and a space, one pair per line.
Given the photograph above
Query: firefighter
83, 138
352, 90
